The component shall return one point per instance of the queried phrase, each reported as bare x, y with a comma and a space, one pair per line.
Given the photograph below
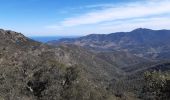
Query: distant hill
147, 43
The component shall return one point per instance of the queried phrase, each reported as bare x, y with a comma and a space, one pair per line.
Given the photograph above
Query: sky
82, 17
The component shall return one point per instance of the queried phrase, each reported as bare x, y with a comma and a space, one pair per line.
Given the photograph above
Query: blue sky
81, 17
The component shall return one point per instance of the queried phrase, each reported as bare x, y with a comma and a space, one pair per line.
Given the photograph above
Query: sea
45, 39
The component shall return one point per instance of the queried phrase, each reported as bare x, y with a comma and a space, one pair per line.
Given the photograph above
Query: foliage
156, 86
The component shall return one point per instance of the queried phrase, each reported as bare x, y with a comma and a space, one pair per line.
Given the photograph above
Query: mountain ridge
142, 42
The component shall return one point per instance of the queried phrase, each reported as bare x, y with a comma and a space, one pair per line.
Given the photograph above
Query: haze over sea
45, 39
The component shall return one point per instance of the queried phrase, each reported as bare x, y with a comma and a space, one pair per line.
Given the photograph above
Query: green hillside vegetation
35, 71
156, 86
30, 70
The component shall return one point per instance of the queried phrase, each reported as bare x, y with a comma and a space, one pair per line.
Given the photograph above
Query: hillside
146, 43
34, 71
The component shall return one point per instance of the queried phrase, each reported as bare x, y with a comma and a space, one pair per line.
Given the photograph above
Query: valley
93, 67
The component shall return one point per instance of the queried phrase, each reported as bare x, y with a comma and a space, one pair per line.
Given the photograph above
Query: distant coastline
45, 39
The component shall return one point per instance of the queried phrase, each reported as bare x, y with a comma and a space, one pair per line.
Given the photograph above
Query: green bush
156, 86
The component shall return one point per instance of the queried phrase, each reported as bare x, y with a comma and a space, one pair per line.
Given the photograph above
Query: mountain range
142, 42
93, 67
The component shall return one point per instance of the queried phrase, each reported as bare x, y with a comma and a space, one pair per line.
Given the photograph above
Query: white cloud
114, 26
154, 14
132, 10
152, 23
